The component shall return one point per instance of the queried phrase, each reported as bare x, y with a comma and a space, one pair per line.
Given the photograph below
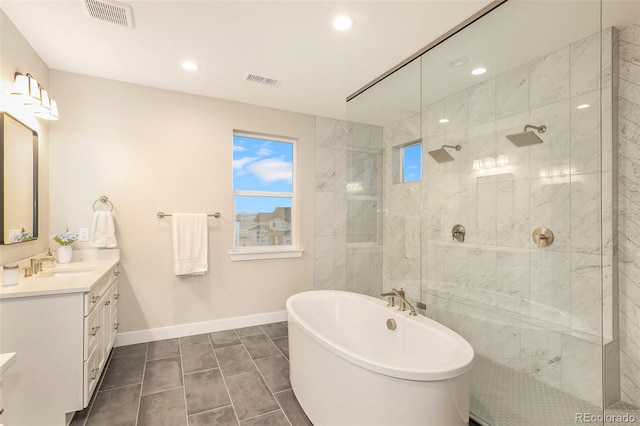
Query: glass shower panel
531, 311
383, 214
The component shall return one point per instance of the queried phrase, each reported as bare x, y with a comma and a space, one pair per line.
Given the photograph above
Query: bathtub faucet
404, 302
391, 296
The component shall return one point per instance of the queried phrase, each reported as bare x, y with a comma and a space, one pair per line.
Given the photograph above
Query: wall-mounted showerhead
441, 155
526, 138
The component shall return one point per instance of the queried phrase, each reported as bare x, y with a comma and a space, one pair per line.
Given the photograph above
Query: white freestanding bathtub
347, 368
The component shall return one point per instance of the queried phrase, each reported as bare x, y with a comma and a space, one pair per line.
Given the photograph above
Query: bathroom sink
67, 271
70, 273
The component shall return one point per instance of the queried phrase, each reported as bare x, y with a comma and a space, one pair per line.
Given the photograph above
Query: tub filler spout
404, 302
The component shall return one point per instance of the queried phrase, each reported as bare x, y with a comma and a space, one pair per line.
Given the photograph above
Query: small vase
64, 254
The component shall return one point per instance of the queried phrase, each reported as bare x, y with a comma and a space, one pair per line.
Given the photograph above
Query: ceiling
291, 41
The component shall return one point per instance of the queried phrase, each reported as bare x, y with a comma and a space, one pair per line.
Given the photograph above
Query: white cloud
238, 148
240, 163
272, 170
263, 152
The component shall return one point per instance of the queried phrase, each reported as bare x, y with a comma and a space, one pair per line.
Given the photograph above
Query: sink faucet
38, 263
404, 302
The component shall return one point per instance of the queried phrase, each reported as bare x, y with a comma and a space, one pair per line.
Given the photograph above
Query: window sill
265, 254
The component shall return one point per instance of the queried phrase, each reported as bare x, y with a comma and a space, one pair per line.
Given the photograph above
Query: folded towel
103, 230
189, 243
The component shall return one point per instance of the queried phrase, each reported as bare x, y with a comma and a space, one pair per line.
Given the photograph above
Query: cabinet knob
107, 303
116, 296
95, 298
116, 325
116, 273
1, 411
94, 330
95, 373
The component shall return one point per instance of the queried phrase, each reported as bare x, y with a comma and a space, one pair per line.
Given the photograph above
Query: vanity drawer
92, 332
92, 297
91, 375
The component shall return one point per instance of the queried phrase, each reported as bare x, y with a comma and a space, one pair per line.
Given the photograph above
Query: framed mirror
19, 186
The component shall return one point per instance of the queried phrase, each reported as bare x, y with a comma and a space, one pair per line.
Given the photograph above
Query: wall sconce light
34, 97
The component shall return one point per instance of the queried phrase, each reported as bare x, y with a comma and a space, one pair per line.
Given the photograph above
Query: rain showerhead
526, 138
441, 155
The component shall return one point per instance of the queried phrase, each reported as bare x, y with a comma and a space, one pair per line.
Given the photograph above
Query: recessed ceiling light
583, 106
479, 71
190, 66
342, 23
458, 62
443, 120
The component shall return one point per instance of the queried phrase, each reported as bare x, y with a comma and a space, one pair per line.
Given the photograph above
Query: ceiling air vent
262, 80
110, 11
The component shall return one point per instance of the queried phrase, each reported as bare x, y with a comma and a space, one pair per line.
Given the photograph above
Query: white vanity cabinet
100, 325
63, 327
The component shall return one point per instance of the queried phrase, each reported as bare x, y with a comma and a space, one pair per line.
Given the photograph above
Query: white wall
16, 55
152, 150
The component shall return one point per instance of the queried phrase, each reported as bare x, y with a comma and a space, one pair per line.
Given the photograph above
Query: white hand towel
190, 244
103, 230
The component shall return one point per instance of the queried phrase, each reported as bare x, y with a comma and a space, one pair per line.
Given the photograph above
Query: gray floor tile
283, 344
116, 407
250, 395
275, 418
179, 378
161, 375
260, 346
205, 390
249, 331
275, 370
224, 416
163, 349
198, 357
195, 340
221, 339
138, 349
124, 371
163, 409
234, 360
292, 409
277, 329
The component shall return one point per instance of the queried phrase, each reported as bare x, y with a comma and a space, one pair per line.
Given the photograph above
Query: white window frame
280, 251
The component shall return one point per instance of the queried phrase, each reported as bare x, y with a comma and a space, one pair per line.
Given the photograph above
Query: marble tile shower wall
628, 211
536, 310
348, 236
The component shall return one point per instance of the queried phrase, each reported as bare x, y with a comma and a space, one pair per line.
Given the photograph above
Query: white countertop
78, 276
6, 361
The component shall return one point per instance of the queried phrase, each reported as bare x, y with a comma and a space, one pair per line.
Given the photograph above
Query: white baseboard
142, 336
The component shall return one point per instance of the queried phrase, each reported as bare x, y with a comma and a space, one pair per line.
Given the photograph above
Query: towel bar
161, 215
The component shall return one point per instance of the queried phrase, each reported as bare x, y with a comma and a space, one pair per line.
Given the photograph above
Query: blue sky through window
246, 204
261, 165
412, 163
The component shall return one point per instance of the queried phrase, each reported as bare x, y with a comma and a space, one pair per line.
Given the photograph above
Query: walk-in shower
441, 155
527, 137
543, 319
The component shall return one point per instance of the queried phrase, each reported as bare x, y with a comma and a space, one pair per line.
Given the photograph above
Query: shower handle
458, 232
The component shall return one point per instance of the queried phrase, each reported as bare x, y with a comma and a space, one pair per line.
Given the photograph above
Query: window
407, 162
412, 163
263, 190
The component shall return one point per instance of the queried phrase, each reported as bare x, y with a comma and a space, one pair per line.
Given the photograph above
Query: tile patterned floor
233, 377
502, 396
